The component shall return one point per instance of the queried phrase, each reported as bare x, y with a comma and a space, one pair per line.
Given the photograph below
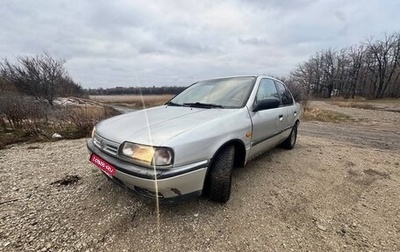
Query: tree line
370, 70
136, 90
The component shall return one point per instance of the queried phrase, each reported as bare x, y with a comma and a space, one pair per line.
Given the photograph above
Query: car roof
239, 76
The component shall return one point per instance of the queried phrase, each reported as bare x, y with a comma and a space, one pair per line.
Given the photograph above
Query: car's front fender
202, 142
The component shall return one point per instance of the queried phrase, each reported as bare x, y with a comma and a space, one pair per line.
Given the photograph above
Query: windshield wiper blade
202, 105
170, 103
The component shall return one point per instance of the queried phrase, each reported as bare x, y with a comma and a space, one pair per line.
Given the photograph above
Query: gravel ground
337, 190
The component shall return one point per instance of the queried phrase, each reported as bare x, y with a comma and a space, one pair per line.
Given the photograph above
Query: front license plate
103, 165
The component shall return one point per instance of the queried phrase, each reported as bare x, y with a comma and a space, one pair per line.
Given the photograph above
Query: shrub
78, 121
18, 111
25, 119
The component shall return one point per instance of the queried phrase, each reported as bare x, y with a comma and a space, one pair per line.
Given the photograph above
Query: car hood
157, 125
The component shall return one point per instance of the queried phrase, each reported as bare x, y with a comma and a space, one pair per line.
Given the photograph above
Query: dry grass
363, 103
355, 99
79, 115
132, 101
316, 114
78, 121
11, 136
359, 105
70, 122
362, 99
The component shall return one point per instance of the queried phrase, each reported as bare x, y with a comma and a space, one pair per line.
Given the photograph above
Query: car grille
106, 145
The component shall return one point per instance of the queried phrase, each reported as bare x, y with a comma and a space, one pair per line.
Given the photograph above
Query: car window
226, 92
284, 93
266, 90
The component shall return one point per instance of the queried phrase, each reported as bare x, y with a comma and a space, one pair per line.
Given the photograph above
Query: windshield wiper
202, 105
170, 103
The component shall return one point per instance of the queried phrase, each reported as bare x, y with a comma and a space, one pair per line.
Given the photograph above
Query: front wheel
220, 177
290, 142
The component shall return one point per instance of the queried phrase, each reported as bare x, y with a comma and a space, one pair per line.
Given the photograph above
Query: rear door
267, 124
288, 109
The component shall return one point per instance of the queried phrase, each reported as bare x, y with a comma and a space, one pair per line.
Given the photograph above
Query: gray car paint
196, 134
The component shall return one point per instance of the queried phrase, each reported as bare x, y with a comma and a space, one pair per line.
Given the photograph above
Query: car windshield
218, 93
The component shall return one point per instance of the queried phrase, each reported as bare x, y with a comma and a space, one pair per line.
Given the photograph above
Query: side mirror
268, 103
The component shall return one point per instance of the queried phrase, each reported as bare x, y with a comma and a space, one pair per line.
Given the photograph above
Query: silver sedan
190, 145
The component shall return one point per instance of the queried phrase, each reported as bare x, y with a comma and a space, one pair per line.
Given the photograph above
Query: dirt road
338, 190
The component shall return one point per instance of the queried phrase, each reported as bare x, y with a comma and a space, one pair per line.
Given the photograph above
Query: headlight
162, 156
147, 155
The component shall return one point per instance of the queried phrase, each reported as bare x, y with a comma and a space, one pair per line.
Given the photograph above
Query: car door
288, 112
267, 124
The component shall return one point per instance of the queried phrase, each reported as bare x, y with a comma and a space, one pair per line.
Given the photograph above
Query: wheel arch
240, 156
239, 159
240, 152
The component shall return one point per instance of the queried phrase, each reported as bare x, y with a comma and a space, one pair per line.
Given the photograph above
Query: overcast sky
143, 43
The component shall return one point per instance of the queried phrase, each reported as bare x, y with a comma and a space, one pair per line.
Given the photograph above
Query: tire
220, 176
290, 142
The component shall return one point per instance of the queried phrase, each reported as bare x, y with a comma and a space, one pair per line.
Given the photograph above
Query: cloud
128, 43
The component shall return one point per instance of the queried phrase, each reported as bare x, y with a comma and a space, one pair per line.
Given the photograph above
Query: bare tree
382, 60
371, 70
329, 70
69, 88
355, 56
39, 76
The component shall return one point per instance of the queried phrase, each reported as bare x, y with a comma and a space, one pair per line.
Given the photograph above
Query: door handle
280, 118
295, 113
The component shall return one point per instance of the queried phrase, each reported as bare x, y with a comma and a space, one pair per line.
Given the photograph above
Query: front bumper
164, 184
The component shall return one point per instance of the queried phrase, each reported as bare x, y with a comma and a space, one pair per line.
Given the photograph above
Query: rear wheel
220, 177
290, 142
